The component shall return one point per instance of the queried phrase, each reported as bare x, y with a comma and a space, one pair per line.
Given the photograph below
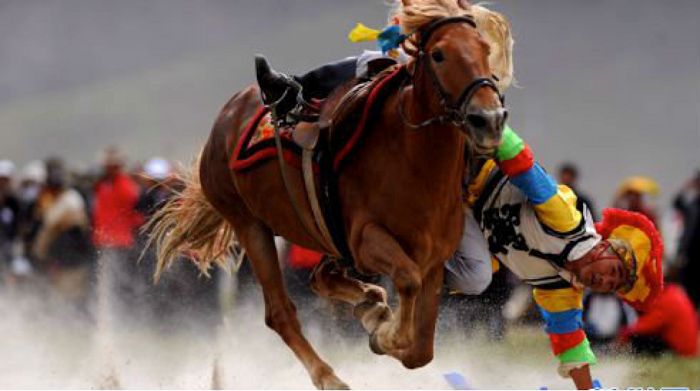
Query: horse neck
439, 148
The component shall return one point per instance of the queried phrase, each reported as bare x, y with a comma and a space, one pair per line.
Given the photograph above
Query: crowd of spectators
61, 229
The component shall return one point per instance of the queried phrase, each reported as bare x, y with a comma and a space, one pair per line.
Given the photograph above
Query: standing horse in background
399, 193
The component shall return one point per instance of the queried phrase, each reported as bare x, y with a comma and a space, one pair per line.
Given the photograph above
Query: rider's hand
582, 377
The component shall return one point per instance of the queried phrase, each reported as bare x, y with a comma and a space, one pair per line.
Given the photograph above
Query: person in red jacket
115, 224
115, 219
670, 324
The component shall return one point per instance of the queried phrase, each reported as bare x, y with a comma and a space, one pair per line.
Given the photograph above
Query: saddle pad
257, 143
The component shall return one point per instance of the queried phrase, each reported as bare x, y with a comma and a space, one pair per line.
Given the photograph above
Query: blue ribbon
390, 38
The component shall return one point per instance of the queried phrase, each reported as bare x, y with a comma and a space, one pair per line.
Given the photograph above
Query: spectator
9, 211
670, 324
63, 243
115, 219
115, 224
633, 195
687, 203
32, 181
569, 175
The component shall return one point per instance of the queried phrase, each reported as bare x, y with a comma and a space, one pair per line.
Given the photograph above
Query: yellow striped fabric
558, 300
559, 212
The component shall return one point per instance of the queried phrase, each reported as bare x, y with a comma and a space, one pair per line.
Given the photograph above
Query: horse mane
493, 26
421, 12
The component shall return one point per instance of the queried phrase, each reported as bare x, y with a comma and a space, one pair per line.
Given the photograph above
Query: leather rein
451, 109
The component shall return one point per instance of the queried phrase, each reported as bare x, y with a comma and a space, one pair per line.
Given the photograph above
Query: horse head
451, 63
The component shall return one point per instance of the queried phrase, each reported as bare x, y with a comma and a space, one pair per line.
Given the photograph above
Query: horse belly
266, 197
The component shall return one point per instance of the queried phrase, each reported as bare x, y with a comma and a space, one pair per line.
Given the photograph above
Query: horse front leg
427, 305
380, 252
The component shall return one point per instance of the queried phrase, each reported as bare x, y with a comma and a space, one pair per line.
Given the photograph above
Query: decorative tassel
362, 33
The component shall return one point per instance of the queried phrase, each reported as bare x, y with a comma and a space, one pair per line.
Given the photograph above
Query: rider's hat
637, 242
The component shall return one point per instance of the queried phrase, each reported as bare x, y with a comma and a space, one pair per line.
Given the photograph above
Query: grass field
666, 371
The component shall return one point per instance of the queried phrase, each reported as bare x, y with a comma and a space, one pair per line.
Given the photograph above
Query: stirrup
304, 111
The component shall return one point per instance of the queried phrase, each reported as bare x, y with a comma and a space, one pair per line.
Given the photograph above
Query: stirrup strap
310, 183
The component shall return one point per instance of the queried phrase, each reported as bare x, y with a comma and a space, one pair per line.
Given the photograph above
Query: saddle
343, 105
320, 149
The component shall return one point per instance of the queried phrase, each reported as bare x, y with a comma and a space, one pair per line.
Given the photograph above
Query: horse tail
189, 225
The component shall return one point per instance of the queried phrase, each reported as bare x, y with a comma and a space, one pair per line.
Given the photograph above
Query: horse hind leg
280, 312
202, 217
331, 281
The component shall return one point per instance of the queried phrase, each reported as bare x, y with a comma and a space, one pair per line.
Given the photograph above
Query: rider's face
601, 269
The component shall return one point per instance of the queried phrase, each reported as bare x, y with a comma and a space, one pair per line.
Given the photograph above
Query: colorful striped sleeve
555, 205
562, 311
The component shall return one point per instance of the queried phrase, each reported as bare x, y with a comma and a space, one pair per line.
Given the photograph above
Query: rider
519, 215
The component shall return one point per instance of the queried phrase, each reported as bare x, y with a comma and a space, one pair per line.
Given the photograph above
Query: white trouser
469, 270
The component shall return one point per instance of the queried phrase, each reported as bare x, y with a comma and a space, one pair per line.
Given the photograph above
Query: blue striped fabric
537, 185
562, 322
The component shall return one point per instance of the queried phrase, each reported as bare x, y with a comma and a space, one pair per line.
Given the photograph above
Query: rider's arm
562, 313
554, 204
469, 270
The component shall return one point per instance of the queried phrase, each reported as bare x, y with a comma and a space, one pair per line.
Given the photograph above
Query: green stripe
578, 354
511, 145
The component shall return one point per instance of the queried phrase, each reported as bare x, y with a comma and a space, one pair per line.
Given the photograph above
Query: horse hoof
375, 294
325, 379
374, 345
331, 382
337, 384
372, 315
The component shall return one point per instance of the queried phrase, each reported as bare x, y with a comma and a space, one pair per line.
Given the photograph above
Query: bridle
451, 109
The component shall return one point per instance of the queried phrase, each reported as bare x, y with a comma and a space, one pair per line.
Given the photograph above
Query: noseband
452, 113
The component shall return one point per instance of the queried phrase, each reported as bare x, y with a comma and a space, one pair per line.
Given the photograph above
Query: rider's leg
469, 270
318, 83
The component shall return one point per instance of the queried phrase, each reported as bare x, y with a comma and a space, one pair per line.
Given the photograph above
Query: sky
613, 85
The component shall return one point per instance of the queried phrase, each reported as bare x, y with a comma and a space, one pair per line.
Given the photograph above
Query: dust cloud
49, 343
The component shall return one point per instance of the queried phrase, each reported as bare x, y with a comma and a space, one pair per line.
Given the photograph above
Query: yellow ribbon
362, 33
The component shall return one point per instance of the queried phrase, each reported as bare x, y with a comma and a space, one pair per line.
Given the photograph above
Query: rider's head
603, 268
626, 261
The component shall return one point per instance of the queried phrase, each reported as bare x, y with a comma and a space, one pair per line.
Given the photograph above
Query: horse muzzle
486, 127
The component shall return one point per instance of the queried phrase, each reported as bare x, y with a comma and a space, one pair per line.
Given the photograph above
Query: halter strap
427, 31
452, 110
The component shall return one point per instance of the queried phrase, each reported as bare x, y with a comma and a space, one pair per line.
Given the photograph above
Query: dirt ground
48, 344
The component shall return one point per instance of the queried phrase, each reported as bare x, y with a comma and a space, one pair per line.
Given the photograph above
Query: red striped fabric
563, 342
519, 164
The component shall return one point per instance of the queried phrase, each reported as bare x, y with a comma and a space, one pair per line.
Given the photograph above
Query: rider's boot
277, 89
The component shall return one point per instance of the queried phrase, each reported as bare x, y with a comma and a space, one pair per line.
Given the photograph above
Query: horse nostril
477, 120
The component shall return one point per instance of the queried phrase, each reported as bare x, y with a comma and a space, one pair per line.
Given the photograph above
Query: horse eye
437, 56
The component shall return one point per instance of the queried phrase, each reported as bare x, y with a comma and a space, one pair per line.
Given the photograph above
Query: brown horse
399, 193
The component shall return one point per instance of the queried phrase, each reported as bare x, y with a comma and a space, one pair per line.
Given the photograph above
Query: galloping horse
399, 193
